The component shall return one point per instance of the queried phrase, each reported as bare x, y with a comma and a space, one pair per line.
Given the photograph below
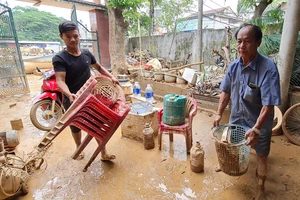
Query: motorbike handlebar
38, 69
48, 74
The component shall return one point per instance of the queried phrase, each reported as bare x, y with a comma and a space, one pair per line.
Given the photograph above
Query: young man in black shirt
72, 70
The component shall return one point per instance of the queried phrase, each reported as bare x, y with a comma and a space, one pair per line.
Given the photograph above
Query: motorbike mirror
38, 69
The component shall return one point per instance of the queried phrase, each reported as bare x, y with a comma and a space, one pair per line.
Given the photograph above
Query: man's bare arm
223, 102
263, 116
102, 70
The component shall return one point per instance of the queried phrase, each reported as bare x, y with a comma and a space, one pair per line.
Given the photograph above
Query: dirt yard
144, 174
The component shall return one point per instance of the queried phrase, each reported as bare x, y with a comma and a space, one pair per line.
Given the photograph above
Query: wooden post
287, 49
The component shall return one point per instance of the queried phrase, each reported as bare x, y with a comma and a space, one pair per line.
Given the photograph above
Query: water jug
197, 158
174, 109
148, 137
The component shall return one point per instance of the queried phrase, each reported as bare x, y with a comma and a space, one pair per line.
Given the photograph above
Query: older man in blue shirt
252, 84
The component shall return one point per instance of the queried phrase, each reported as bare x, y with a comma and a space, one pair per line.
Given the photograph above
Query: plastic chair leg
95, 154
171, 137
159, 139
188, 143
83, 144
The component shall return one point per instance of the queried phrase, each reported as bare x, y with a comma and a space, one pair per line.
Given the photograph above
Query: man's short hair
256, 29
66, 26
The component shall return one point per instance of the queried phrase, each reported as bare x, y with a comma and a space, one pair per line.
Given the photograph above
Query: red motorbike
48, 106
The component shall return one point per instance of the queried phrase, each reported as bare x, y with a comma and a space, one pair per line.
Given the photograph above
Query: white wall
184, 42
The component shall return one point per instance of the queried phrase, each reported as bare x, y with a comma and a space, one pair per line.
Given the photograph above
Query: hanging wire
217, 4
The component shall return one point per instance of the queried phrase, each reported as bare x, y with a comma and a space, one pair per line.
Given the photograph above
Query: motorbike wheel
42, 117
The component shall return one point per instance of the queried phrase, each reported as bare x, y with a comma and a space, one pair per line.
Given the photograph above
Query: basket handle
226, 126
226, 135
212, 133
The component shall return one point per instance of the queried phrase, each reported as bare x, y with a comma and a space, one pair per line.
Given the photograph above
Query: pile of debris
204, 82
209, 81
137, 57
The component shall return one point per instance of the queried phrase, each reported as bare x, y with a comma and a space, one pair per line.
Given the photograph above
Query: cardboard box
133, 125
16, 124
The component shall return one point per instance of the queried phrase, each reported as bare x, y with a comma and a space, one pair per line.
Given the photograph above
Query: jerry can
174, 109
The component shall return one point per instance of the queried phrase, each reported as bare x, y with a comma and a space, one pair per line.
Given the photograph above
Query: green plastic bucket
174, 109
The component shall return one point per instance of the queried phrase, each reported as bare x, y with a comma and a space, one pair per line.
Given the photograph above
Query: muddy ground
144, 174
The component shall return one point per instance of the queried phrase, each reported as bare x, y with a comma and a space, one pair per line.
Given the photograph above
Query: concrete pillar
291, 27
99, 22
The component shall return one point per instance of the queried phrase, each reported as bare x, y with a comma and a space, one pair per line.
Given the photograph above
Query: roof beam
80, 4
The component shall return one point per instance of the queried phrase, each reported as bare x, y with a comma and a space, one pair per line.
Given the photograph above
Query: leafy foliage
34, 25
132, 12
244, 7
273, 16
125, 4
134, 19
271, 22
270, 44
172, 12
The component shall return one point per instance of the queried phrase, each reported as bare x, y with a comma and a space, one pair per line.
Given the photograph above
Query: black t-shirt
77, 68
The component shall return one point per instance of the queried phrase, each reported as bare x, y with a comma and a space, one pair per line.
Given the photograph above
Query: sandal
80, 156
108, 157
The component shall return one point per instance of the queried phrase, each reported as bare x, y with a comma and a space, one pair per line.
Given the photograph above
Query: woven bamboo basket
233, 154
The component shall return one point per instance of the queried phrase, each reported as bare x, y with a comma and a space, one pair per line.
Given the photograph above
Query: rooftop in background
218, 18
226, 11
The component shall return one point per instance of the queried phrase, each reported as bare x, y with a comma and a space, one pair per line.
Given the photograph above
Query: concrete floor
145, 174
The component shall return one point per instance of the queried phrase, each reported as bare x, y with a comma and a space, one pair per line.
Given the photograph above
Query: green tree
117, 12
256, 6
34, 25
133, 18
270, 19
172, 12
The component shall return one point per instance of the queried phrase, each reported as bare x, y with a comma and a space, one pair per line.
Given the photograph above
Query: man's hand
217, 120
115, 81
253, 137
72, 97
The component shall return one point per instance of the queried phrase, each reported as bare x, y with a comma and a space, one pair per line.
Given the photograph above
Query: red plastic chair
99, 110
185, 129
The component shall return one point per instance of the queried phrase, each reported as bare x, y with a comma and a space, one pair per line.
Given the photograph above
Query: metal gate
12, 73
88, 38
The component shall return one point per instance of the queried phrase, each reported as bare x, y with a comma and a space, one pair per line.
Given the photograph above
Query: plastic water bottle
149, 94
136, 89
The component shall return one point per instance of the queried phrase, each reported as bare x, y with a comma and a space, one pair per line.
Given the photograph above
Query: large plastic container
174, 109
